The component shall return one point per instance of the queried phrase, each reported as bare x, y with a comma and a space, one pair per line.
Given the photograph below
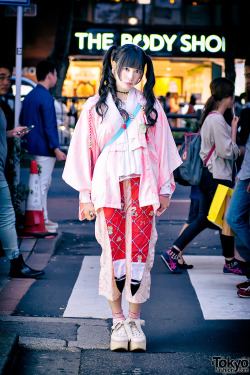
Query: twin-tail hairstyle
131, 56
220, 88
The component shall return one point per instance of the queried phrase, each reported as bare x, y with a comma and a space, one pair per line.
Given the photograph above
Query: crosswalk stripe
85, 301
216, 291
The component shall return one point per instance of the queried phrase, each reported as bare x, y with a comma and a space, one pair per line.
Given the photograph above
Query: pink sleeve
166, 149
77, 170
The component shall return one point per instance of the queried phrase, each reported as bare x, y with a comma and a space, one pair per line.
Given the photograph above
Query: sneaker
236, 269
244, 285
171, 263
50, 223
50, 229
185, 266
137, 338
119, 337
245, 293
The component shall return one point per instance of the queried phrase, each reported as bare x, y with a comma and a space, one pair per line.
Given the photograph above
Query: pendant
142, 128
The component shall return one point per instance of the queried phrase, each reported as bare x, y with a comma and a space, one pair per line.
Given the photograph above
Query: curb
37, 252
9, 345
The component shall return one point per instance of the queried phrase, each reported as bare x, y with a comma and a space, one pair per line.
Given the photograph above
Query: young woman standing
121, 160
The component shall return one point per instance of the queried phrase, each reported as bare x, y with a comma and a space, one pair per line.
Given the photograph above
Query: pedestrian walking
237, 215
8, 234
218, 170
38, 109
121, 159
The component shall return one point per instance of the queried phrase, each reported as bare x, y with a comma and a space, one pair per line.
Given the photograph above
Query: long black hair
220, 88
130, 56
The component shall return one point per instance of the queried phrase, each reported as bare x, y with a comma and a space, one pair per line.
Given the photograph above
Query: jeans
8, 235
208, 186
238, 210
47, 164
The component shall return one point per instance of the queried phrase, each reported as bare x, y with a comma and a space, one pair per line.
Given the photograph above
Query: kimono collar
134, 97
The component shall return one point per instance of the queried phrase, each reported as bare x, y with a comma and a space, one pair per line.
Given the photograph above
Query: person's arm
50, 127
60, 156
77, 170
165, 196
13, 133
164, 203
48, 114
248, 188
234, 126
225, 145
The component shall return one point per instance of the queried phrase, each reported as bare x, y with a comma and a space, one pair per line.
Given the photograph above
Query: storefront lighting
144, 2
168, 69
194, 3
172, 1
133, 21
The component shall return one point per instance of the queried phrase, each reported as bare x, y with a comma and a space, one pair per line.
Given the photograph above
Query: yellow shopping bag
218, 208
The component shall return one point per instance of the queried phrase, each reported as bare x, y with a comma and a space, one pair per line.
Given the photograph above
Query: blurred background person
8, 234
174, 108
43, 142
219, 169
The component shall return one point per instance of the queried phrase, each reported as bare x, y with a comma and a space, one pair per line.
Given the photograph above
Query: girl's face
129, 77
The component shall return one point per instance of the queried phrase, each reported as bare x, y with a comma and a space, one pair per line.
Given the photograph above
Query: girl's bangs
132, 59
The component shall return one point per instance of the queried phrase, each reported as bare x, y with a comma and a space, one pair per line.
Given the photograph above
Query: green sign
169, 44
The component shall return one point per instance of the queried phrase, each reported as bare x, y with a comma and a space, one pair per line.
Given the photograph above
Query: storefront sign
15, 2
165, 44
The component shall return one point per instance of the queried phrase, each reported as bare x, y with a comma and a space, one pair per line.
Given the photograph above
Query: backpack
190, 171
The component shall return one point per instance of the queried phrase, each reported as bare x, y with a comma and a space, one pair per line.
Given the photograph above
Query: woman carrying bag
121, 160
214, 132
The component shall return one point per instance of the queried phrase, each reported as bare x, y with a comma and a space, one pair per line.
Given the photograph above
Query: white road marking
216, 291
85, 301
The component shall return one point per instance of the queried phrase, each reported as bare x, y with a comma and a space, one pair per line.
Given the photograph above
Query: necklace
123, 92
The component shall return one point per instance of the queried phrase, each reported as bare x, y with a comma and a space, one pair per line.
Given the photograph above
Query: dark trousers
208, 186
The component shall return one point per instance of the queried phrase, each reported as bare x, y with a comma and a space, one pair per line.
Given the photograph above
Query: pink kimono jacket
159, 154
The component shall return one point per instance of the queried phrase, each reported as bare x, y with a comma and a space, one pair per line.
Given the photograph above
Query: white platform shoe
136, 337
119, 337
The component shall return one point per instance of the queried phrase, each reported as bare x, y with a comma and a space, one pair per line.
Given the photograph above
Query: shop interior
185, 76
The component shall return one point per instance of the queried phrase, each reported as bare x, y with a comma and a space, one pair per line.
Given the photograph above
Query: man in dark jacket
43, 142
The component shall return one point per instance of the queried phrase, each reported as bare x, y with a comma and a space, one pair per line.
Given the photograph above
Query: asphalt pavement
37, 339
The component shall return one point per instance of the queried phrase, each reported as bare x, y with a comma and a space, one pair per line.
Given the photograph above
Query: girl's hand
234, 128
89, 210
164, 203
235, 122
